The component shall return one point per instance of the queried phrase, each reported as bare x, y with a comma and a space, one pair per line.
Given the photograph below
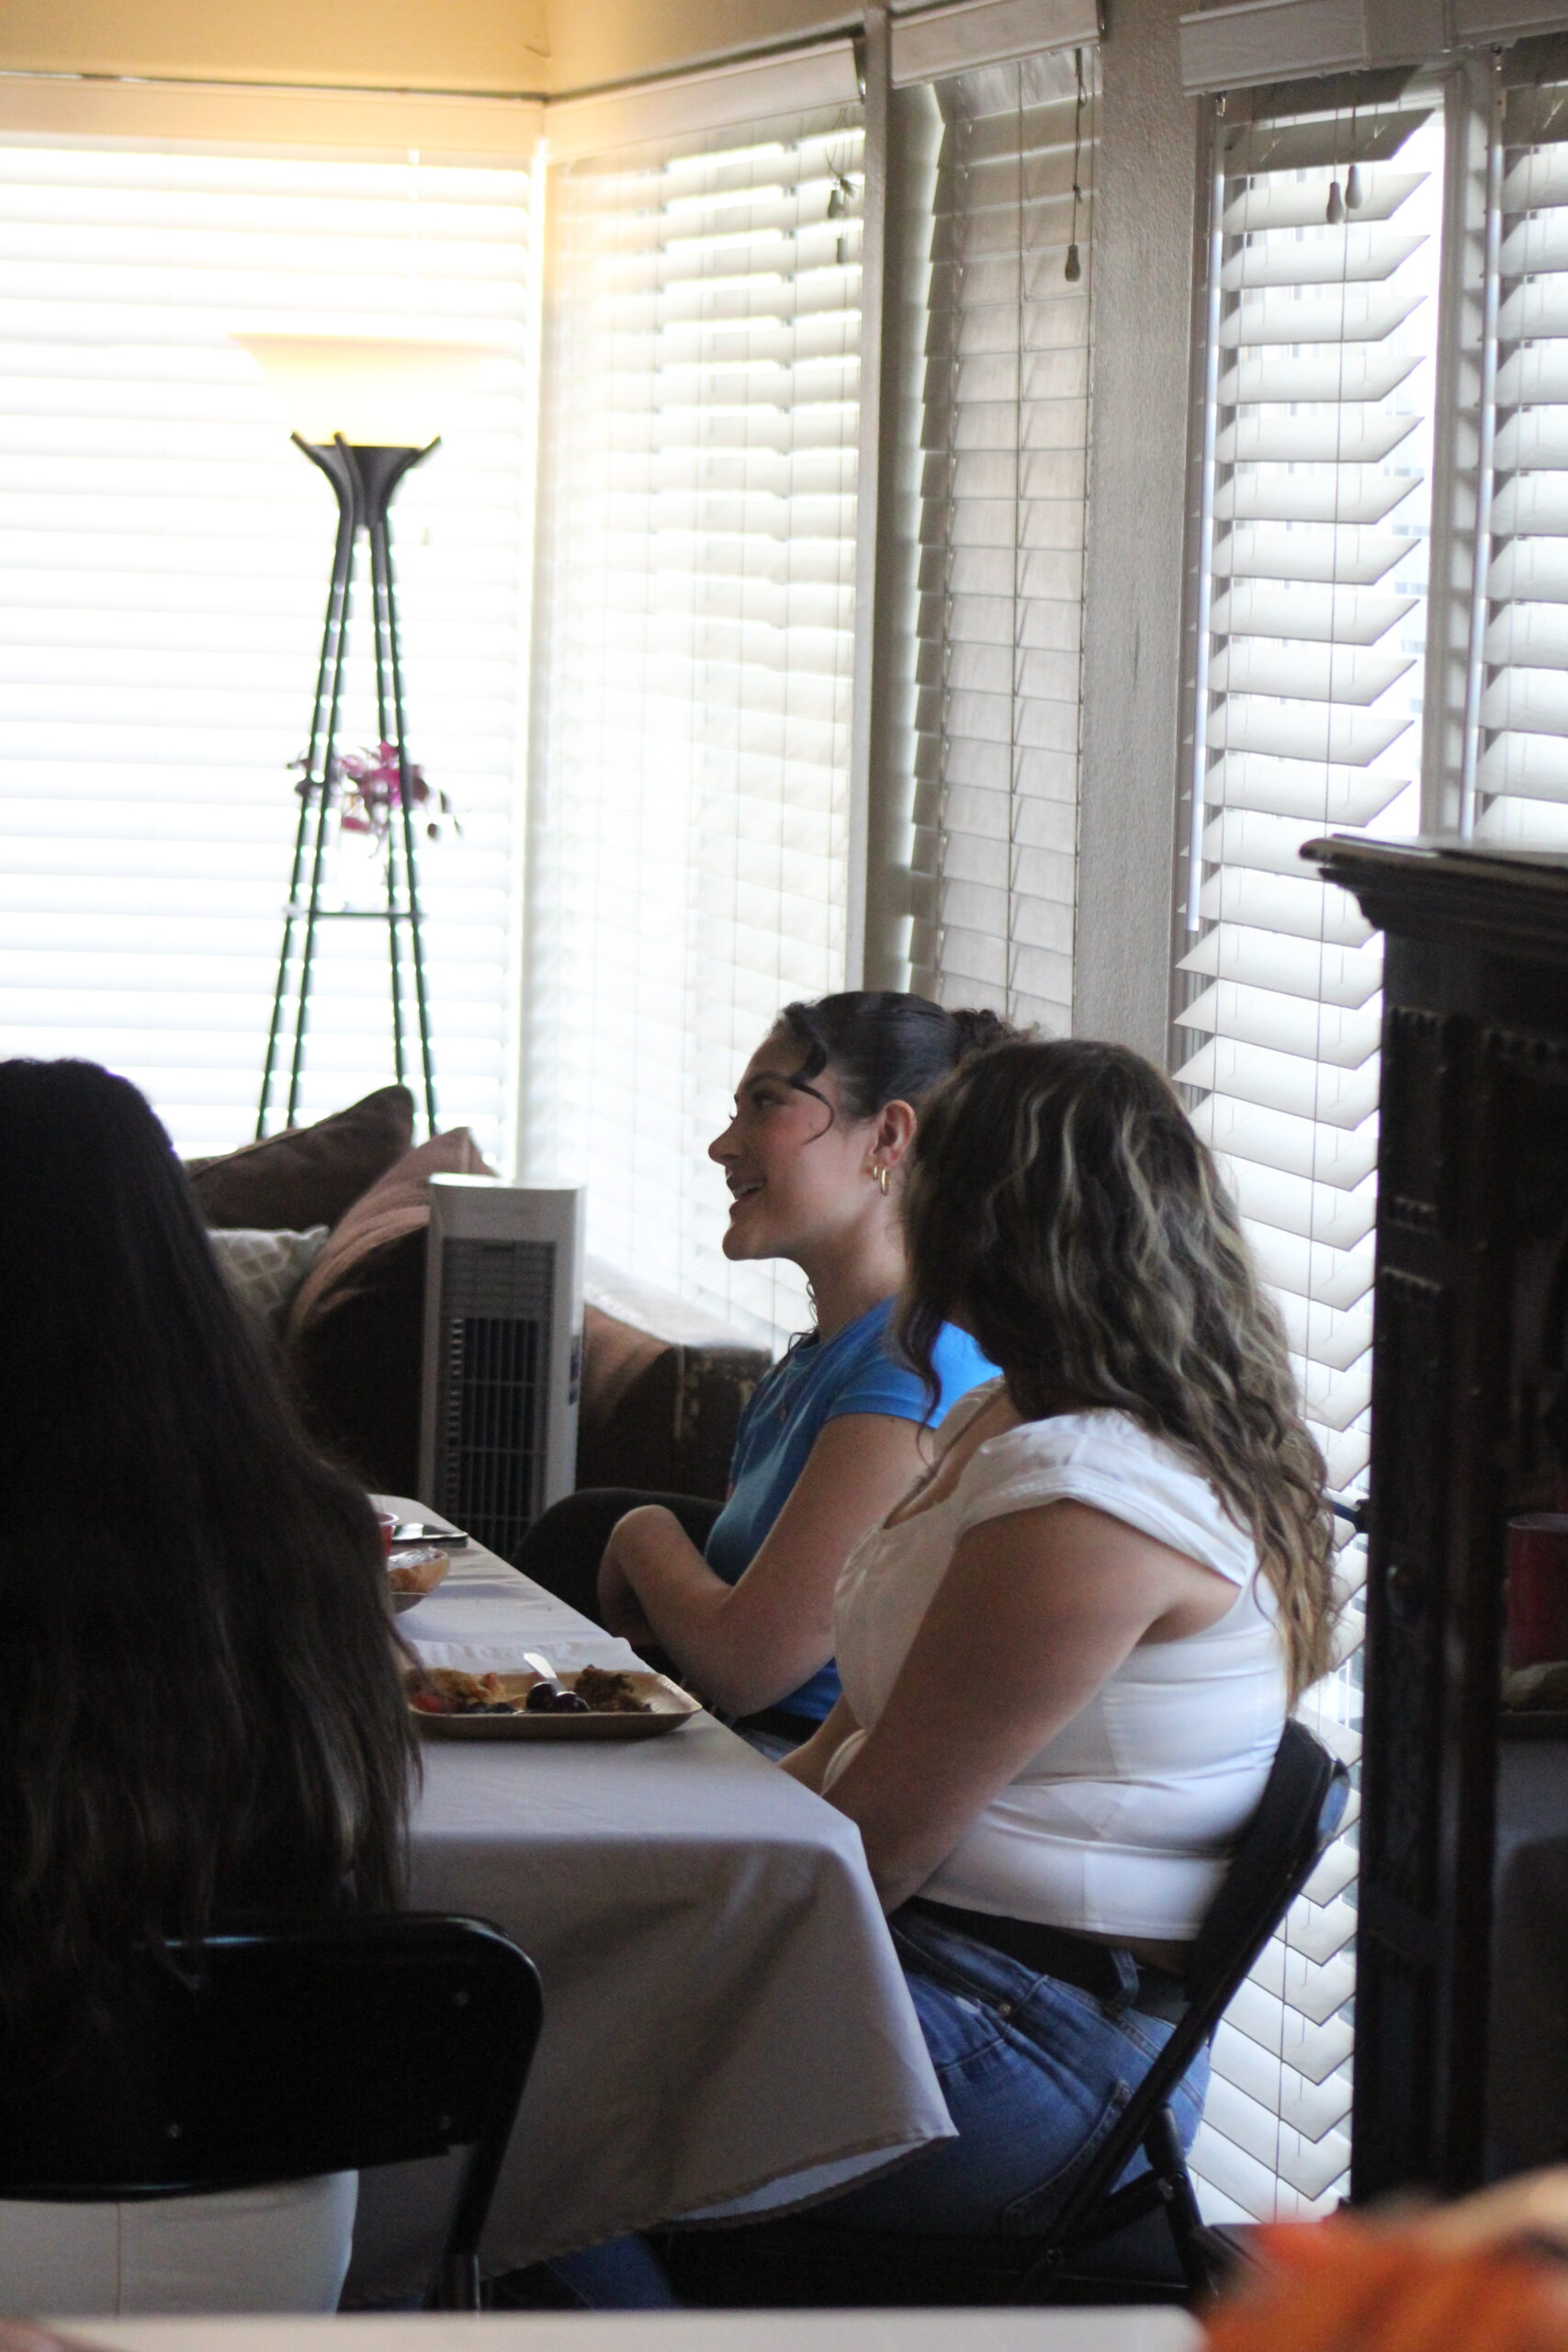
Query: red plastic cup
387, 1520
1537, 1587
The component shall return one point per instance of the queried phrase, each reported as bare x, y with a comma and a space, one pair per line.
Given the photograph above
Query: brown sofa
663, 1383
662, 1388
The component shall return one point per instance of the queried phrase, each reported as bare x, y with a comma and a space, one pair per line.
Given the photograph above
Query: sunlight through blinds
1516, 742
688, 865
1005, 434
164, 562
1309, 665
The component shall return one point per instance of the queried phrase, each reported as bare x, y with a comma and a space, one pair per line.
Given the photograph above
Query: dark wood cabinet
1470, 1422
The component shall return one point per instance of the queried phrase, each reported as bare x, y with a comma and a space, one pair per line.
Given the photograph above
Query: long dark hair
201, 1709
1063, 1208
883, 1046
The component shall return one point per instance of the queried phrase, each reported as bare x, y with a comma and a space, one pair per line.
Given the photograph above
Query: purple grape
553, 1698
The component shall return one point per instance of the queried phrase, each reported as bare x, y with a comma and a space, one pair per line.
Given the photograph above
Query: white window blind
1005, 432
164, 562
1308, 664
1516, 780
691, 684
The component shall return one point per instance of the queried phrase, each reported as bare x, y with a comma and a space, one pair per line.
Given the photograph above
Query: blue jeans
1034, 2073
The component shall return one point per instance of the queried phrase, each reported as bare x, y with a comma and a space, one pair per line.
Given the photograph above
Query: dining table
1128, 2328
726, 2029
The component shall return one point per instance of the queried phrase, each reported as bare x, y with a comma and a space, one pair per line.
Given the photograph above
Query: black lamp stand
363, 479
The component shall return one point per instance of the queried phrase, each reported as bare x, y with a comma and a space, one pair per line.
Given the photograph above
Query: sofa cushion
663, 1385
307, 1175
357, 1370
265, 1269
356, 1331
397, 1205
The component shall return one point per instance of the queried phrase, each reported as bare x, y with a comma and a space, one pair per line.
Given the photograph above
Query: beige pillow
267, 1269
397, 1206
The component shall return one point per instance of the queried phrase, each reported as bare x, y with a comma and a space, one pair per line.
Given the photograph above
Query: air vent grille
492, 1421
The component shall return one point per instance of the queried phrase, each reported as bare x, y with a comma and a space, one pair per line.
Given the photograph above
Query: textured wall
1144, 251
491, 45
593, 41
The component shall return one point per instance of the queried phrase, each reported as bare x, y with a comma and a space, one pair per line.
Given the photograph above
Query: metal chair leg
1168, 2162
457, 2283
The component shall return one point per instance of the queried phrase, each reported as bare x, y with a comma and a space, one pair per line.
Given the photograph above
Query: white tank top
1123, 1821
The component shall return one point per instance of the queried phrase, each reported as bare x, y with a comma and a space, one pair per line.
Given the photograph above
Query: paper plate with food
589, 1703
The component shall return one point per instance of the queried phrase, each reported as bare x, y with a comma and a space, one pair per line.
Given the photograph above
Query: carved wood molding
1414, 1143
1405, 1596
1447, 891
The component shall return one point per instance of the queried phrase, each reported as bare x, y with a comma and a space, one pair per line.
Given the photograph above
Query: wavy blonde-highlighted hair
1062, 1206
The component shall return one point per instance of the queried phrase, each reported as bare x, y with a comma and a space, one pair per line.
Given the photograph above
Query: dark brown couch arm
663, 1385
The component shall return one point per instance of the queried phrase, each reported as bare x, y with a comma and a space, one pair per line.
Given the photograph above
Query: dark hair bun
977, 1028
884, 1045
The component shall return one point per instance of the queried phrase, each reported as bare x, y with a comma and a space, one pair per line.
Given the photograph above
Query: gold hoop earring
881, 1176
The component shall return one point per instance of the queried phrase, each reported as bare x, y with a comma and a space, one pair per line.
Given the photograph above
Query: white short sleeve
1105, 1460
1120, 1824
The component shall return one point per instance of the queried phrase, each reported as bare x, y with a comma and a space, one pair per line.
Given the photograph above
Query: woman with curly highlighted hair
1068, 1654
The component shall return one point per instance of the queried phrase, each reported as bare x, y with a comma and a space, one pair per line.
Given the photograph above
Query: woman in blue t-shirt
741, 1597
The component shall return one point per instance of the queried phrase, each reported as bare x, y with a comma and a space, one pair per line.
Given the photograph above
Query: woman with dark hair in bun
741, 1597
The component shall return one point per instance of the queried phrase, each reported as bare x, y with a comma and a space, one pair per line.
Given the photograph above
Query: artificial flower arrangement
370, 785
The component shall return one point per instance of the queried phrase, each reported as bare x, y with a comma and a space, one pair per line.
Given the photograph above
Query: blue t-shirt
816, 1382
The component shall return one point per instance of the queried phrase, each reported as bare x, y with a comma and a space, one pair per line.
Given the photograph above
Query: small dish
414, 1571
668, 1708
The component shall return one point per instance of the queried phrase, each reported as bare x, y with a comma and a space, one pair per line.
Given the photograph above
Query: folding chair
808, 2261
298, 2050
1303, 1804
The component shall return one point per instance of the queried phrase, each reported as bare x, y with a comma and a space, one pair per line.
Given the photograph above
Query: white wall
488, 45
527, 47
596, 42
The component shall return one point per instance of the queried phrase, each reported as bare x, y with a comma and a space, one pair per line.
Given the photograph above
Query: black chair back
1300, 1809
1144, 2241
326, 2046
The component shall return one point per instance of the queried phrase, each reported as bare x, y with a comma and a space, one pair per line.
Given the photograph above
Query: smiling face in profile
798, 1168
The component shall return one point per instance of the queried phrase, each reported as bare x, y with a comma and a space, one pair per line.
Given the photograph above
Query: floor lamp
363, 409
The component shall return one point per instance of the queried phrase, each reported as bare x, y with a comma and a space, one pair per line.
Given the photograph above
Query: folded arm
748, 1645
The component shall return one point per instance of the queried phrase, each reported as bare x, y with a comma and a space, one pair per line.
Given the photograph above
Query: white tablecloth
724, 2014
